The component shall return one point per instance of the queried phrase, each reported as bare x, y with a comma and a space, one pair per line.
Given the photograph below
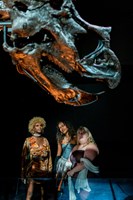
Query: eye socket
20, 6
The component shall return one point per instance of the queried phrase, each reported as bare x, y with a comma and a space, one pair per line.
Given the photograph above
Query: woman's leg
42, 192
83, 195
30, 190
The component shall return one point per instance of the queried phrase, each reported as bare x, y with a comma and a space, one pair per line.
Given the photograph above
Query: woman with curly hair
36, 156
66, 140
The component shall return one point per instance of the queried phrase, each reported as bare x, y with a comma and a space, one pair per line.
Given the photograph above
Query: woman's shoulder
91, 144
92, 147
28, 139
45, 139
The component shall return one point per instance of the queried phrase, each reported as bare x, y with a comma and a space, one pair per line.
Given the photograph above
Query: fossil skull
41, 43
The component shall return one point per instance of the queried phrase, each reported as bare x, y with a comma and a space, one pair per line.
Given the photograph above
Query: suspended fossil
41, 42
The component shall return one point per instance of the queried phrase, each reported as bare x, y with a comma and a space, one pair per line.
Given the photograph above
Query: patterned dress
61, 167
36, 160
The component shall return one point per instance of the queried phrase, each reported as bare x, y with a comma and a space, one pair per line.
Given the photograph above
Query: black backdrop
109, 119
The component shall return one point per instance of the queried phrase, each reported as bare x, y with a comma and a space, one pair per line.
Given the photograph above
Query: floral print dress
36, 160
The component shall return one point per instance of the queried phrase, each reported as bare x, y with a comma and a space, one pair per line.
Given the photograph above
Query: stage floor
101, 189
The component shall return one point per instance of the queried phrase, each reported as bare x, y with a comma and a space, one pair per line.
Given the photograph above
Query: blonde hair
35, 120
86, 130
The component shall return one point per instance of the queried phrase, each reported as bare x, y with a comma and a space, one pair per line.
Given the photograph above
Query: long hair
71, 130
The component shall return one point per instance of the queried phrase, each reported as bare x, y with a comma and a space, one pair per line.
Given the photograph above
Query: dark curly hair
71, 130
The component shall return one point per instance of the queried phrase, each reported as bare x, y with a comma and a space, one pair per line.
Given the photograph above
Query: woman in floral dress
36, 156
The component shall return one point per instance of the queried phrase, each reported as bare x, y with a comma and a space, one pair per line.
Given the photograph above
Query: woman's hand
70, 173
77, 168
68, 165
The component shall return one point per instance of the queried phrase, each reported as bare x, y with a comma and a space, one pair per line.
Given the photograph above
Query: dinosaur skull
42, 45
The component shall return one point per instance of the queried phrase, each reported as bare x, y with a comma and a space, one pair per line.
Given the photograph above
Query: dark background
109, 119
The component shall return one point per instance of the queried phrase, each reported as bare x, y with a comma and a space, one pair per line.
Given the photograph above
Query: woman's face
38, 128
82, 136
63, 128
